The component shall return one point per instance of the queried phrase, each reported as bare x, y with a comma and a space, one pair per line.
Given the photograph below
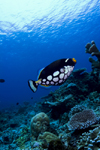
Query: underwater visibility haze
35, 33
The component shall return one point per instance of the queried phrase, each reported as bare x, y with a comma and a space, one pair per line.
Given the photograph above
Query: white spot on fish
66, 71
55, 73
61, 75
44, 80
47, 82
39, 82
60, 81
55, 79
69, 73
49, 77
43, 83
70, 68
65, 77
51, 82
62, 70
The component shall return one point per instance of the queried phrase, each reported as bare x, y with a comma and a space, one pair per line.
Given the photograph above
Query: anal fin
44, 85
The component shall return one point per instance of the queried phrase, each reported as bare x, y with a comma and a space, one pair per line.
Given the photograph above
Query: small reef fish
2, 80
17, 103
55, 73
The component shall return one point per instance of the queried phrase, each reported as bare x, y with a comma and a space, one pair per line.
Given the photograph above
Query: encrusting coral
48, 136
76, 109
82, 119
92, 49
39, 123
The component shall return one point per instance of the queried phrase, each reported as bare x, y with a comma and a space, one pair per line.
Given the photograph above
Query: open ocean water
37, 32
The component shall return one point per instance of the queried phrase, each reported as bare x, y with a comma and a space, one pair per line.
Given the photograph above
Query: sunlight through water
24, 15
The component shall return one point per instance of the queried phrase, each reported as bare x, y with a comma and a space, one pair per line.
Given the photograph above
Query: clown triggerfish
55, 73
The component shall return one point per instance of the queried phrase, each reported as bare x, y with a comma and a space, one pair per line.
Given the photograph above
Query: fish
17, 103
2, 80
54, 74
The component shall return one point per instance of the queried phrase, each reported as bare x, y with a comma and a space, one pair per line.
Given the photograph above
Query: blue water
35, 33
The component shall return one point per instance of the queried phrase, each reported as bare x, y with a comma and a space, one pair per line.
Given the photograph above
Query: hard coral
39, 123
82, 119
48, 136
90, 140
92, 49
76, 109
56, 145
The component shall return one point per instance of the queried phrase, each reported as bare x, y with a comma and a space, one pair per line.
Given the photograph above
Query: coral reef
78, 87
76, 109
47, 136
39, 124
56, 145
89, 140
66, 119
92, 49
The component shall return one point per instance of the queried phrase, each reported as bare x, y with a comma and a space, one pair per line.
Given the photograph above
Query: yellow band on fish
38, 81
74, 60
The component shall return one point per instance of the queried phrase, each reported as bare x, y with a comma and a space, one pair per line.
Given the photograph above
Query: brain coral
82, 119
39, 123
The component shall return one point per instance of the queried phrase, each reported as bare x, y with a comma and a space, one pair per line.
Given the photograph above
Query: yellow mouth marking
38, 81
74, 60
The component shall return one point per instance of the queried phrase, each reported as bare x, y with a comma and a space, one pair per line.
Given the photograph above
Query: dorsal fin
40, 73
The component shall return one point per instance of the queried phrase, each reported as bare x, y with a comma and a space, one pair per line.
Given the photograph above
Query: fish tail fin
33, 85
